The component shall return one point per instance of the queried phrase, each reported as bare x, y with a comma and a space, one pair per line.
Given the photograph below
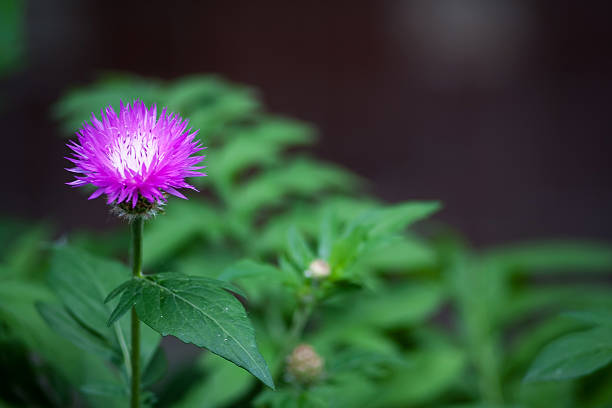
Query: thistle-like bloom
133, 155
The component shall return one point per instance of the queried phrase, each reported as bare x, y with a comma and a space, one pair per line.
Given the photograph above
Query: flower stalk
136, 227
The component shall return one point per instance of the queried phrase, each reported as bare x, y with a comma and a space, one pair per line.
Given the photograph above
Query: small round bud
318, 269
304, 365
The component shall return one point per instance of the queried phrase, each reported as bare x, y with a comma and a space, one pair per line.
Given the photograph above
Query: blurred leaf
559, 256
363, 362
257, 145
428, 373
209, 102
77, 105
596, 317
573, 355
223, 384
65, 325
529, 341
373, 230
183, 223
156, 369
400, 306
405, 254
258, 278
307, 218
398, 217
82, 283
298, 249
544, 395
17, 309
344, 390
104, 389
303, 177
198, 312
554, 299
23, 255
12, 44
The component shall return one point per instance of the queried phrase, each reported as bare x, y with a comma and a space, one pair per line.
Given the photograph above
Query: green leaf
402, 254
402, 306
223, 384
307, 218
156, 369
399, 217
198, 312
65, 325
528, 342
19, 315
597, 317
428, 373
118, 290
573, 355
301, 177
184, 222
82, 283
298, 249
128, 298
553, 256
260, 144
247, 268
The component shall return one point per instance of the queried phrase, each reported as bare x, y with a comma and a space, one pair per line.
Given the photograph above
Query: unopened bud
318, 269
304, 365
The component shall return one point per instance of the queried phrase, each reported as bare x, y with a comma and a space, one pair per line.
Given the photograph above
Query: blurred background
498, 108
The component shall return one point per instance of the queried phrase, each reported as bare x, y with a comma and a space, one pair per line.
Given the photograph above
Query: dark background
501, 109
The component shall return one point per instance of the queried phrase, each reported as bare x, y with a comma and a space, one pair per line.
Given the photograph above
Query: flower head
134, 155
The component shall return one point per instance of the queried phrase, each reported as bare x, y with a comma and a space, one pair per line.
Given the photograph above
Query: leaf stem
136, 227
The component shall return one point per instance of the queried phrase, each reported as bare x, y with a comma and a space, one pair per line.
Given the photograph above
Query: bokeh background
499, 108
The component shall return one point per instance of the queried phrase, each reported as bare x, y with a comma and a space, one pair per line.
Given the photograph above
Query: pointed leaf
118, 290
127, 300
573, 355
198, 312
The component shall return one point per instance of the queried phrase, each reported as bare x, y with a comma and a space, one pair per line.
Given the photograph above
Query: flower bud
304, 365
318, 269
142, 209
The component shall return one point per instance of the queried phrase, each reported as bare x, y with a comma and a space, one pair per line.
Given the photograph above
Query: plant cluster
318, 294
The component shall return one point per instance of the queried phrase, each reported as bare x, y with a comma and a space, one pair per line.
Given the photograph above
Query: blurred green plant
351, 306
12, 33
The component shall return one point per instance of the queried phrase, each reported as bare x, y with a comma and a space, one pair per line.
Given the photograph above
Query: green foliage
573, 355
12, 44
397, 318
81, 283
196, 310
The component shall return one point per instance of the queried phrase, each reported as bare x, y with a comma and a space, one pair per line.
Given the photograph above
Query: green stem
136, 227
300, 318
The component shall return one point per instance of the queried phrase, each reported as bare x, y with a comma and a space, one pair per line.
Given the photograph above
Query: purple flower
134, 154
